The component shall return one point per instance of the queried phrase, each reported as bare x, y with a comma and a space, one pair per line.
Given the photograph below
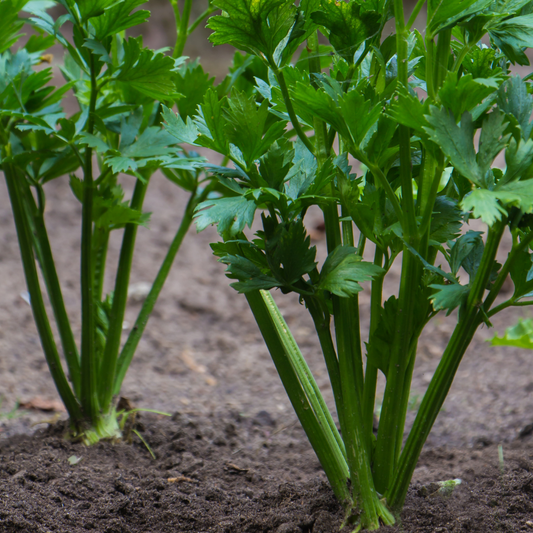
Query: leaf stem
290, 108
328, 452
321, 321
415, 13
100, 257
381, 179
442, 57
209, 11
390, 420
371, 373
89, 390
429, 187
120, 297
459, 59
390, 427
182, 27
36, 299
445, 373
43, 251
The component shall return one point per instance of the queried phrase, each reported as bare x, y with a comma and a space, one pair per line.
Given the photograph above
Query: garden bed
238, 474
240, 460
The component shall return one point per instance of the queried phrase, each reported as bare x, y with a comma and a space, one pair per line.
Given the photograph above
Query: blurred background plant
114, 133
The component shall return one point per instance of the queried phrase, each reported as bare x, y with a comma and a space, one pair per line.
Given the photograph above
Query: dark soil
233, 458
234, 474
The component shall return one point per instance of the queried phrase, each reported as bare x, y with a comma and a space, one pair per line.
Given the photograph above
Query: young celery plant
120, 87
422, 179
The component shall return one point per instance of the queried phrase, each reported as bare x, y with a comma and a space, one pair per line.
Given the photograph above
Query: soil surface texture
236, 474
232, 456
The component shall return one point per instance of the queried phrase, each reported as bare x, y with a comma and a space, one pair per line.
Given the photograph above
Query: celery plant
120, 87
405, 109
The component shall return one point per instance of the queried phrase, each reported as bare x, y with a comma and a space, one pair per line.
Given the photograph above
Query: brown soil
236, 474
236, 456
239, 459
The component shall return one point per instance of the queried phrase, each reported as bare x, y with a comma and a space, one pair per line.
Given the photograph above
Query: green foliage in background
119, 87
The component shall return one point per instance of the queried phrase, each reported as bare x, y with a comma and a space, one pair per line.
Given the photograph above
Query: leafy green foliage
88, 8
514, 34
253, 25
422, 116
514, 99
192, 83
449, 296
118, 86
10, 23
519, 336
521, 272
466, 252
408, 110
251, 276
462, 94
288, 251
491, 205
427, 166
343, 270
351, 114
146, 71
457, 142
446, 14
349, 25
446, 221
119, 17
230, 214
247, 128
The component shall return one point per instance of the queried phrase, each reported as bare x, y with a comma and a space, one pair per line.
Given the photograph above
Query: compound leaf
212, 123
447, 13
514, 99
483, 204
519, 336
252, 25
516, 32
146, 71
246, 125
408, 110
343, 270
518, 157
449, 296
192, 83
464, 93
10, 23
446, 221
289, 247
89, 8
490, 205
250, 276
231, 215
181, 131
349, 25
119, 17
456, 141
